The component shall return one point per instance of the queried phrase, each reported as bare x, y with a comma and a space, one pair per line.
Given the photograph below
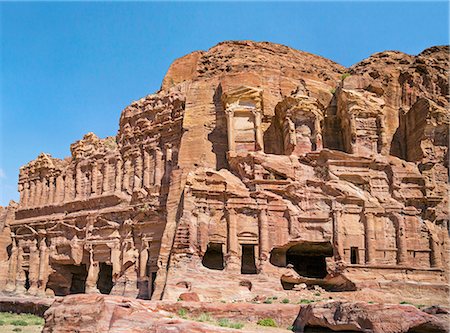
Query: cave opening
354, 255
248, 264
27, 280
213, 257
104, 282
78, 282
309, 259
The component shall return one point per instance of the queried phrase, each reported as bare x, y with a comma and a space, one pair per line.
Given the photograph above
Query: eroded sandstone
256, 169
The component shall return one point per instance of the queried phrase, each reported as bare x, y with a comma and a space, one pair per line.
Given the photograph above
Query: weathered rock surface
368, 318
255, 170
99, 313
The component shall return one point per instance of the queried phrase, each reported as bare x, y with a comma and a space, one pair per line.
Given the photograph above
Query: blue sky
70, 68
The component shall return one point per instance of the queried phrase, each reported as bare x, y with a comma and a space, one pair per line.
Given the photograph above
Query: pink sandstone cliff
255, 168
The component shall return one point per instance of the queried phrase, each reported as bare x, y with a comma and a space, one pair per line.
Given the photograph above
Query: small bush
333, 90
2, 322
317, 294
182, 313
269, 322
305, 301
290, 328
19, 322
285, 301
224, 322
16, 329
204, 317
345, 75
420, 306
268, 301
405, 302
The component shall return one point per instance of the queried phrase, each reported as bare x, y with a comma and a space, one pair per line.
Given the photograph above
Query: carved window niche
300, 120
243, 110
363, 132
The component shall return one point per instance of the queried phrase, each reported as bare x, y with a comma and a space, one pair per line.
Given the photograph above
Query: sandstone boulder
368, 318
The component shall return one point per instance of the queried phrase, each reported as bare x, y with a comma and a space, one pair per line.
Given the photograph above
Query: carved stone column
264, 246
146, 169
78, 182
230, 131
370, 239
12, 271
318, 134
233, 244
33, 269
168, 166
106, 177
32, 199
20, 188
20, 273
258, 130
37, 201
26, 194
92, 277
59, 189
158, 166
44, 193
126, 176
94, 178
337, 233
69, 186
137, 172
143, 259
51, 190
402, 251
115, 259
118, 186
435, 255
43, 266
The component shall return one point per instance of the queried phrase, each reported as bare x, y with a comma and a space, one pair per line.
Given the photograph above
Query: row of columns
371, 242
38, 268
139, 170
233, 260
231, 130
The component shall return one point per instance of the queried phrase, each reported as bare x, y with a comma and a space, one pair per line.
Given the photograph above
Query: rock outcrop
364, 317
255, 169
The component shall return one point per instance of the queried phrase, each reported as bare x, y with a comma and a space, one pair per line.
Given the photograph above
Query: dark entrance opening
27, 280
248, 265
354, 255
79, 275
213, 257
153, 284
308, 259
104, 282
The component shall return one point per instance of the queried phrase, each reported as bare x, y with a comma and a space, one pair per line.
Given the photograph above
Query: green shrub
345, 75
19, 322
317, 294
268, 301
2, 322
285, 301
290, 328
182, 313
305, 301
333, 90
269, 322
204, 317
405, 302
224, 322
16, 329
